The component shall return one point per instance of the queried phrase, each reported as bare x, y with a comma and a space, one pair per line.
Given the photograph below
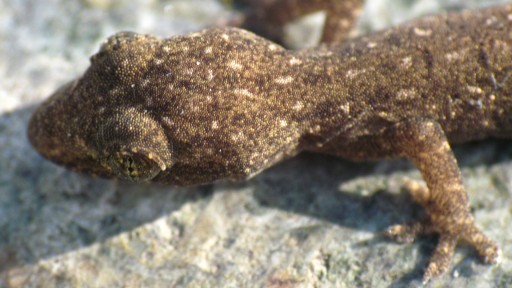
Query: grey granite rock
312, 221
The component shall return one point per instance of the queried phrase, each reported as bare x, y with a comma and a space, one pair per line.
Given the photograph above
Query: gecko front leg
445, 201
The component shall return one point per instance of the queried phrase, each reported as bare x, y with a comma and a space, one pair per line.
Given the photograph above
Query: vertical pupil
131, 166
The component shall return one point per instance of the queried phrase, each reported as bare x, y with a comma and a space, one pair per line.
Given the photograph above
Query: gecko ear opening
135, 166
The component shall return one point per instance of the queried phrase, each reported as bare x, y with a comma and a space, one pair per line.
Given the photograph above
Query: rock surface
312, 221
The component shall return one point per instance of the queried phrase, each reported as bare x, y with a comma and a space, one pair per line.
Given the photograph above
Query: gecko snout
56, 135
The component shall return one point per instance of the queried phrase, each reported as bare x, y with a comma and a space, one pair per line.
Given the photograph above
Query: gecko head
166, 110
114, 143
54, 132
98, 124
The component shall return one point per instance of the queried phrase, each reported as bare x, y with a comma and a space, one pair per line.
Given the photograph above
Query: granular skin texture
224, 104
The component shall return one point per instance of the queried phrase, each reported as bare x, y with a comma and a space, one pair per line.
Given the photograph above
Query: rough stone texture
312, 221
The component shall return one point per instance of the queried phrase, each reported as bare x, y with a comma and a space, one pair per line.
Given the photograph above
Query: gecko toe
419, 192
440, 260
491, 254
404, 233
486, 248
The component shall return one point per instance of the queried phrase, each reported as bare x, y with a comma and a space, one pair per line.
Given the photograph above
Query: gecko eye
132, 166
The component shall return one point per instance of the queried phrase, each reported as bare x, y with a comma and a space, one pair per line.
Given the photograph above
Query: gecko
225, 104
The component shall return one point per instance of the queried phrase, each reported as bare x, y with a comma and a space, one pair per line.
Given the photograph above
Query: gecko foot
450, 230
405, 233
439, 262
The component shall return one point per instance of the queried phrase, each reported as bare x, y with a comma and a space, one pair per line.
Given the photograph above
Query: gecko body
224, 104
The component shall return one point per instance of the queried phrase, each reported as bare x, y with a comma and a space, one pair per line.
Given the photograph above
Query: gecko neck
322, 101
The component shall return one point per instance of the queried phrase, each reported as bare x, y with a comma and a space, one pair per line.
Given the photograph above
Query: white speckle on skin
210, 74
215, 125
345, 107
225, 37
406, 62
405, 94
452, 56
386, 115
284, 80
422, 32
351, 74
345, 23
237, 136
315, 129
477, 103
371, 45
208, 50
298, 106
243, 91
501, 45
491, 21
158, 61
283, 123
295, 61
166, 49
474, 89
198, 63
272, 47
167, 121
235, 65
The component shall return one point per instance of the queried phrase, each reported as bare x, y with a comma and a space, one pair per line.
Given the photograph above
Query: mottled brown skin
226, 104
